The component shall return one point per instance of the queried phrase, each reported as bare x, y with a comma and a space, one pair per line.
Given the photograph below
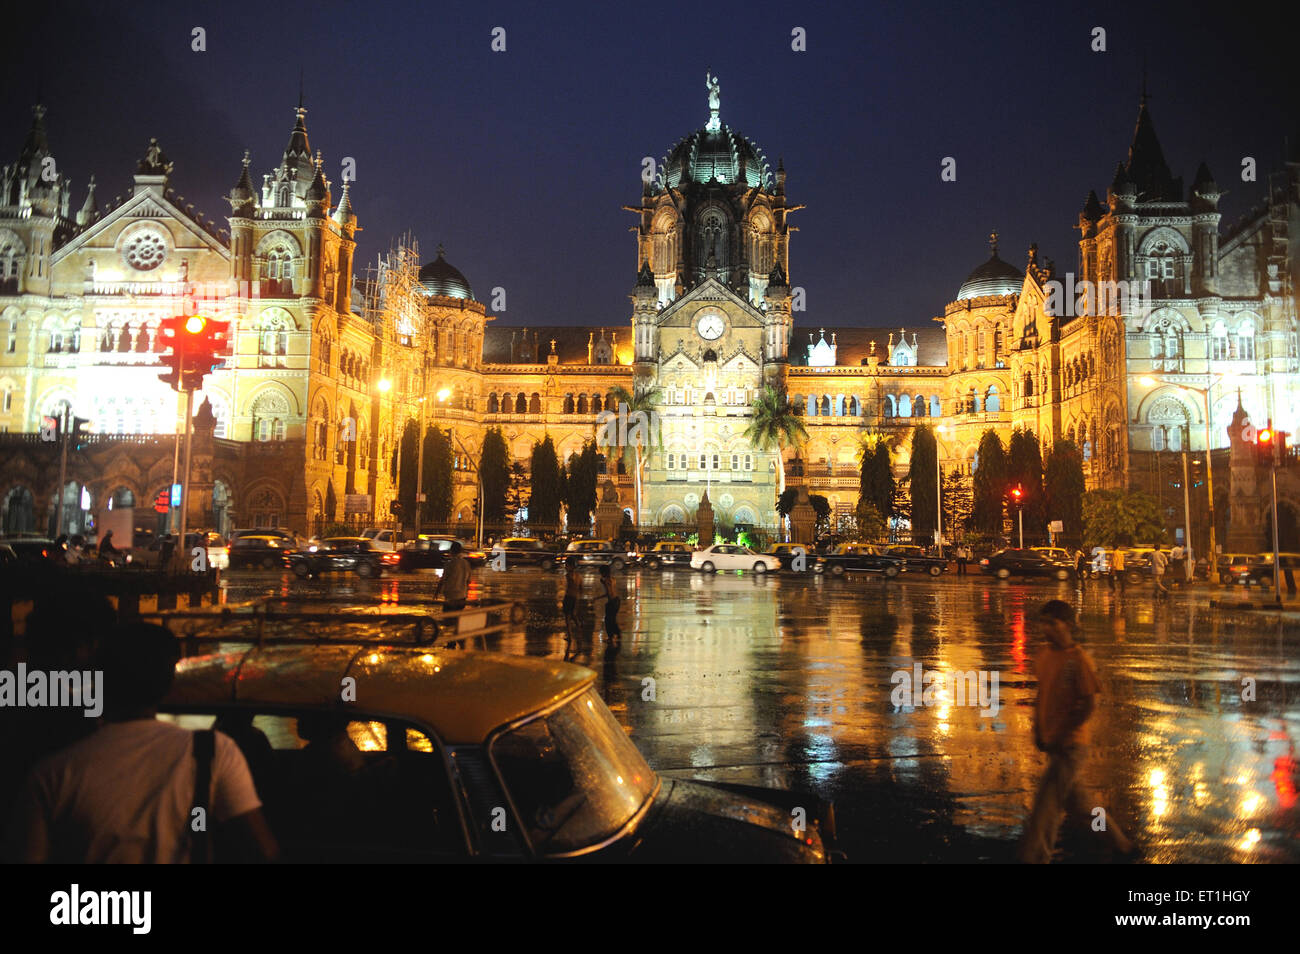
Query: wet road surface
794, 682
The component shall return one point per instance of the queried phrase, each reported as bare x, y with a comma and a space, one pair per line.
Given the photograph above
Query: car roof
462, 694
346, 540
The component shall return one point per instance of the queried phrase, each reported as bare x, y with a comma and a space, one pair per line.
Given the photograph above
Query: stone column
609, 512
803, 519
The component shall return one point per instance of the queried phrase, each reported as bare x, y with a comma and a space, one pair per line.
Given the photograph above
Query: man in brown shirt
1067, 697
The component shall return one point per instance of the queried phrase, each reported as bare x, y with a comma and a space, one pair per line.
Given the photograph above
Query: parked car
31, 549
524, 551
431, 553
666, 554
917, 560
596, 553
1258, 569
470, 756
338, 554
859, 558
786, 553
386, 540
252, 550
732, 556
1008, 563
217, 550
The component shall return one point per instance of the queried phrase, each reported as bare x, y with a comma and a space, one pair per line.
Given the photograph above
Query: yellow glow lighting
194, 324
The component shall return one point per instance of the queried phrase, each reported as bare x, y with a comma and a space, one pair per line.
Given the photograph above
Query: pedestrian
612, 602
127, 792
962, 556
1159, 563
1080, 565
165, 552
453, 585
1118, 564
108, 552
572, 591
1067, 697
1178, 564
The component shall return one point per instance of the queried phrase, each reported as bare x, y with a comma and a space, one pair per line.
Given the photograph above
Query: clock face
711, 326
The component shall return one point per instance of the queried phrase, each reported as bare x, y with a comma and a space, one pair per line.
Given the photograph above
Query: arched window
1246, 341
535, 405
992, 400
904, 405
270, 412
918, 406
273, 338
1166, 345
568, 404
493, 404
1219, 350
326, 349
889, 405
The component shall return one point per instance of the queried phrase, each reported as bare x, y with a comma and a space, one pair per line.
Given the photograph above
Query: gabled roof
149, 205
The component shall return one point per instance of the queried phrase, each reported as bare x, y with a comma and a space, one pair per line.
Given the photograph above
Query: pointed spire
1092, 207
993, 242
297, 154
241, 196
645, 278
1146, 167
87, 214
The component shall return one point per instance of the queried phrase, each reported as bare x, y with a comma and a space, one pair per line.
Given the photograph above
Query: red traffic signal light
1265, 436
1016, 493
197, 345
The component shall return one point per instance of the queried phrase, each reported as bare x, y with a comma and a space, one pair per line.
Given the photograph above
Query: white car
732, 556
385, 540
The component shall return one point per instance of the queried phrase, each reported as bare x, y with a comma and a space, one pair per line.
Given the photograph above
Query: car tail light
984, 562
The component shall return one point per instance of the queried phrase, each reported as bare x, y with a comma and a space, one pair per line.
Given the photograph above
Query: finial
715, 100
552, 346
247, 158
300, 88
440, 250
993, 241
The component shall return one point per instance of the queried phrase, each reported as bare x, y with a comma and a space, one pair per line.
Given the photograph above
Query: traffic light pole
179, 555
63, 474
176, 466
1189, 557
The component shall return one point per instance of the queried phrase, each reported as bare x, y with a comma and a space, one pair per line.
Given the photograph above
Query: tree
876, 484
901, 508
871, 525
957, 503
989, 484
921, 477
406, 480
439, 480
637, 424
580, 498
1120, 518
494, 471
1063, 488
544, 471
1025, 470
517, 495
775, 426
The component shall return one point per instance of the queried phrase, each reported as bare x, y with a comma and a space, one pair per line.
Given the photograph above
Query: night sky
519, 161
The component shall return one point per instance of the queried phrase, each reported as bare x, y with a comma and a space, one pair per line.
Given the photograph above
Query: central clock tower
711, 321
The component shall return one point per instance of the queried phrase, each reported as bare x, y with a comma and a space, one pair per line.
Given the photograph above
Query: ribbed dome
994, 277
721, 154
440, 278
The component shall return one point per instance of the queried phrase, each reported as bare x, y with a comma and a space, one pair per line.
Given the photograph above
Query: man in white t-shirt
124, 794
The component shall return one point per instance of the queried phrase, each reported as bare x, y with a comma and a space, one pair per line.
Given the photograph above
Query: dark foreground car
469, 756
666, 555
523, 551
596, 553
255, 551
858, 558
917, 560
339, 554
788, 553
1026, 563
431, 553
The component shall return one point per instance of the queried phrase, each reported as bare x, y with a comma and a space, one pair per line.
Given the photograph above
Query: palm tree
775, 424
639, 406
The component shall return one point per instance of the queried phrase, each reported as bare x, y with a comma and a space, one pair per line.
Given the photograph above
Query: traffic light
78, 436
1017, 496
197, 346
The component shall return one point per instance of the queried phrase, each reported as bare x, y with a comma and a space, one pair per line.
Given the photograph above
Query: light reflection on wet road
787, 682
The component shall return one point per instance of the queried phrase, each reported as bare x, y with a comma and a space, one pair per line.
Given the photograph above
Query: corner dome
443, 279
994, 277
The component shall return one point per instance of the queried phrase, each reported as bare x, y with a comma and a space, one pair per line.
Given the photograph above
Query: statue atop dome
714, 87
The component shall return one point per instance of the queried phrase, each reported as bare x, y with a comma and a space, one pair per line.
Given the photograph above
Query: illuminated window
749, 462
1246, 341
672, 461
735, 462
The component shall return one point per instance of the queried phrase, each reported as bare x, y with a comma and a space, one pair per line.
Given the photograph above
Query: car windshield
573, 775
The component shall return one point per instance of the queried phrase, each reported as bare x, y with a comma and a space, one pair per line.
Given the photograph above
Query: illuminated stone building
328, 362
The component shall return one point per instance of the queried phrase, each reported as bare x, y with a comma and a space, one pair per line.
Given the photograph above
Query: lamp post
1148, 381
384, 385
938, 492
1018, 496
1188, 559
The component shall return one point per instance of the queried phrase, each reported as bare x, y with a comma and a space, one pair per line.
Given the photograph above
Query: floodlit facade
329, 362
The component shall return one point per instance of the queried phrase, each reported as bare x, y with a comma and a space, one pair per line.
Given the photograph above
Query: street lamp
1018, 495
1147, 381
938, 492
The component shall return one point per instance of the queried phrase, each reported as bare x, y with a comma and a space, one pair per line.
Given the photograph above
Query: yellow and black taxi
793, 556
338, 554
665, 555
523, 551
589, 553
859, 558
457, 755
